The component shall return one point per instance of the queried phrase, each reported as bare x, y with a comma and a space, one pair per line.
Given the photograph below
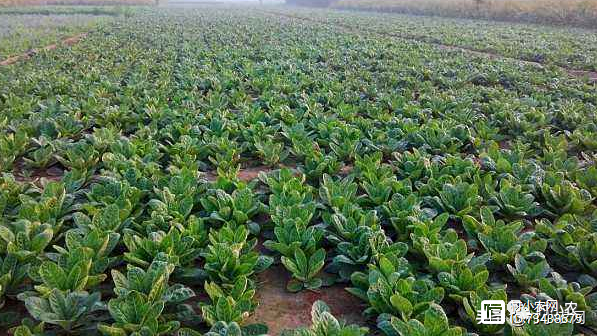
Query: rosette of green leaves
222, 328
231, 255
502, 240
530, 269
118, 192
108, 219
457, 199
12, 276
430, 231
404, 211
338, 193
433, 322
324, 323
181, 248
561, 197
465, 279
79, 155
101, 243
12, 145
24, 239
230, 302
570, 239
72, 311
446, 255
414, 164
152, 282
512, 201
69, 271
304, 268
136, 314
558, 288
237, 208
52, 206
471, 305
390, 289
587, 179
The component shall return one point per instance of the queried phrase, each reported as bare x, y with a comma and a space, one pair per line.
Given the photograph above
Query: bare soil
66, 42
251, 173
281, 310
53, 173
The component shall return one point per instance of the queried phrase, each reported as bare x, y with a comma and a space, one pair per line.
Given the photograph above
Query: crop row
20, 33
567, 47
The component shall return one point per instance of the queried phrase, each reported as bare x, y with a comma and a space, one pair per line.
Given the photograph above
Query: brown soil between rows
245, 174
281, 310
52, 173
66, 42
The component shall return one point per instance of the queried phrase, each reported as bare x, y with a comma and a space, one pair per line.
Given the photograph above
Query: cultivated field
13, 3
20, 33
582, 13
220, 170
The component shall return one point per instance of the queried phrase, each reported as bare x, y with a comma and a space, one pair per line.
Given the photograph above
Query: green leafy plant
404, 211
228, 329
587, 179
135, 314
389, 288
74, 311
513, 202
29, 328
471, 305
528, 272
463, 280
229, 302
337, 194
558, 288
80, 155
12, 276
152, 282
43, 156
177, 245
457, 199
53, 206
270, 151
12, 145
447, 255
324, 323
304, 269
317, 164
564, 198
434, 323
230, 255
502, 240
26, 240
71, 271
237, 208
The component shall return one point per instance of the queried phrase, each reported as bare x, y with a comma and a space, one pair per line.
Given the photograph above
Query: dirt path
66, 42
280, 309
590, 75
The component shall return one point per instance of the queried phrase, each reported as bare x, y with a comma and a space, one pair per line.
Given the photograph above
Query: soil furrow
66, 42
